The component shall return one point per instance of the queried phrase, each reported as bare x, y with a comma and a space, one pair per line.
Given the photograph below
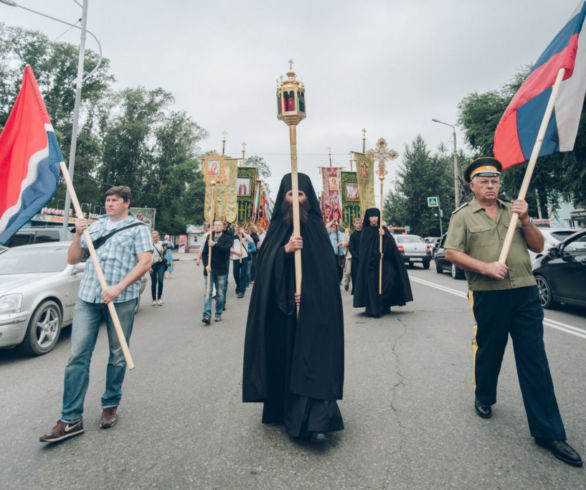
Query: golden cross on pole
381, 154
224, 133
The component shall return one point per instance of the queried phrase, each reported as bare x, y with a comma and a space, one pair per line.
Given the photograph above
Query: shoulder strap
98, 242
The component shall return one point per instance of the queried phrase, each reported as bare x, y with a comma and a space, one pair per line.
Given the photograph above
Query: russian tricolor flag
29, 159
517, 130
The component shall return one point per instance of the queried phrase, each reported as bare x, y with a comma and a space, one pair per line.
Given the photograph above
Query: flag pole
98, 268
213, 184
531, 165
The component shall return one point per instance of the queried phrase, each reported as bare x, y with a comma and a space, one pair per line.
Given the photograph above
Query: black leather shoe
482, 410
318, 438
561, 450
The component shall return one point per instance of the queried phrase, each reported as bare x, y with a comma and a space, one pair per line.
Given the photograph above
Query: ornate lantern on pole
291, 110
381, 154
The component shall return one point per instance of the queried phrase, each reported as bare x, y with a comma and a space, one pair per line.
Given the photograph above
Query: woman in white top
157, 269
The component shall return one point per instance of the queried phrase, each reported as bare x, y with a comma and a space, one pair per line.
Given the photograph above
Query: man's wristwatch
528, 224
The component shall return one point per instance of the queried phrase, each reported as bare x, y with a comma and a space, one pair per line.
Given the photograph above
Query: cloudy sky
389, 66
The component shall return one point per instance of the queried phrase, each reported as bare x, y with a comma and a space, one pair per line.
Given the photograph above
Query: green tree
55, 67
560, 174
423, 175
260, 163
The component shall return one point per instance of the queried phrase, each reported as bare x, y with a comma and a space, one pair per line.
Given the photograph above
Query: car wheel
438, 267
43, 329
426, 264
456, 272
545, 294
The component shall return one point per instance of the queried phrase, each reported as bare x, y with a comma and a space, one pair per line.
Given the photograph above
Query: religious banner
246, 187
220, 173
365, 175
263, 216
330, 197
212, 175
350, 199
226, 195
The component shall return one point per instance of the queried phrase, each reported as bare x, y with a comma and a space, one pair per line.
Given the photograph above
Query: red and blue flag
517, 130
29, 159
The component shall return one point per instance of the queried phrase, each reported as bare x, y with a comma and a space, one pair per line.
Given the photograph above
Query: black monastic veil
296, 365
396, 289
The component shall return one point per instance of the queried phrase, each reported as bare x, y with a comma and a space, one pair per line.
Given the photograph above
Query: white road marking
563, 327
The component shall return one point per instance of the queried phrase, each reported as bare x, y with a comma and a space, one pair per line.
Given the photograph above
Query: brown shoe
63, 430
109, 418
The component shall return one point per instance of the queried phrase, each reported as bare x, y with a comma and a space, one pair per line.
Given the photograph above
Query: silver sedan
38, 290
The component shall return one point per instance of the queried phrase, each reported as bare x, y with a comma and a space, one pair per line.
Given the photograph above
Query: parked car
552, 237
414, 249
27, 236
433, 241
38, 290
561, 272
442, 264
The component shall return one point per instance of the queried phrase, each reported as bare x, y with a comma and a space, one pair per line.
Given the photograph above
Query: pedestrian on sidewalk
125, 255
354, 250
169, 256
505, 301
157, 270
337, 241
220, 244
294, 364
239, 255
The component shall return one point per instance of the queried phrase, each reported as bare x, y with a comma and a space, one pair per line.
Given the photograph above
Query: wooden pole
295, 192
531, 165
208, 291
380, 227
98, 268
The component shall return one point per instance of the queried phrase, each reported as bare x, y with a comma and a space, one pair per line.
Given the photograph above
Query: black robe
296, 365
354, 248
396, 289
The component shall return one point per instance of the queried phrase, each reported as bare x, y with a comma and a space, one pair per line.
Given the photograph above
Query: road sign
433, 202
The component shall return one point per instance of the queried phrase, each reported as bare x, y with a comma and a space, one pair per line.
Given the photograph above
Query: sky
388, 66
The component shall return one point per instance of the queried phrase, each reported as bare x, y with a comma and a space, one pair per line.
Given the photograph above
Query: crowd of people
294, 342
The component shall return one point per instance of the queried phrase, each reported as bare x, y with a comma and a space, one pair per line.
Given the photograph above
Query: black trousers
518, 313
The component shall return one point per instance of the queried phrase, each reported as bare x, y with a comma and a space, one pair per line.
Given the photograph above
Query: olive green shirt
475, 233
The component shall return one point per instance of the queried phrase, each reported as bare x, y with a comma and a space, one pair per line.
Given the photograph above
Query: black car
442, 264
561, 272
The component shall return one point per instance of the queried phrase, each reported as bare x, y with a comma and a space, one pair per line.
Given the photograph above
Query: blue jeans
157, 277
220, 284
247, 268
87, 319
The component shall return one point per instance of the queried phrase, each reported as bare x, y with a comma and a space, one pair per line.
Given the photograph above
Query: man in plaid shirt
124, 257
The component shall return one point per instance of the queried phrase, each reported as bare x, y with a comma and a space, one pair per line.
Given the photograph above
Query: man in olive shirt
505, 300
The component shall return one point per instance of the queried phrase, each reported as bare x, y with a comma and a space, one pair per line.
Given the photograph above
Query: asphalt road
408, 406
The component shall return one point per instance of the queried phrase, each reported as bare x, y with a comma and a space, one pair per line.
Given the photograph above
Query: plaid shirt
118, 256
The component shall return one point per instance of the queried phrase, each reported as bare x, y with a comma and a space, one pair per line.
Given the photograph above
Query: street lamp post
79, 83
456, 191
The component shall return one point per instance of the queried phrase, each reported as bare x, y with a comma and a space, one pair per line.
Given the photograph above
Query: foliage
423, 175
133, 137
259, 162
560, 174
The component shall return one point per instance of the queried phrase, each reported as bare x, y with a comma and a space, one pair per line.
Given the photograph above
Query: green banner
350, 199
245, 191
365, 174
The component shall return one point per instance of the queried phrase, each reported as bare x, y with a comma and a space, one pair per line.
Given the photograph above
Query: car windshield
409, 239
560, 235
33, 260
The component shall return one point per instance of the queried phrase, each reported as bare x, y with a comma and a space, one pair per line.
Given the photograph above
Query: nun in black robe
295, 366
354, 249
396, 289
